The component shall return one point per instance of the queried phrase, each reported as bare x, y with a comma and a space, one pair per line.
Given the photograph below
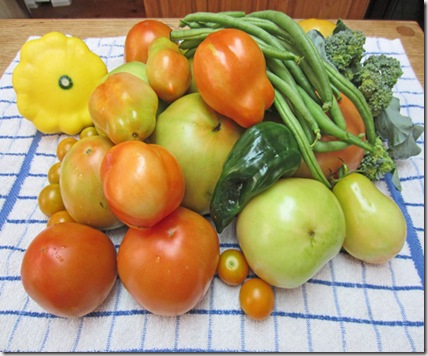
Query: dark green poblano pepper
264, 153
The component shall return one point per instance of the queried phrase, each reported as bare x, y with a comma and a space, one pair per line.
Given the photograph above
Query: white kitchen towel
349, 306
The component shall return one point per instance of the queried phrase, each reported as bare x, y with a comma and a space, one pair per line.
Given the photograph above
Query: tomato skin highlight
69, 269
168, 268
256, 298
232, 267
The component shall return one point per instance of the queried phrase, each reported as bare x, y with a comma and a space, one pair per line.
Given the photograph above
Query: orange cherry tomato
64, 146
256, 298
53, 173
142, 182
232, 267
168, 268
69, 269
140, 36
50, 199
61, 216
325, 27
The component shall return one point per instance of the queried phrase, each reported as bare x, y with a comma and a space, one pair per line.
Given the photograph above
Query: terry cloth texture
348, 306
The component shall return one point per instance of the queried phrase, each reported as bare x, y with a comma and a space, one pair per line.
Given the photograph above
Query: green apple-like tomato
376, 229
200, 139
290, 231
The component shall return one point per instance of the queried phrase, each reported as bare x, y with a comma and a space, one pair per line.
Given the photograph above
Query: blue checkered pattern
348, 306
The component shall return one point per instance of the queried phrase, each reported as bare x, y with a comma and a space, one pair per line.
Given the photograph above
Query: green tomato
123, 108
290, 231
81, 186
200, 139
375, 226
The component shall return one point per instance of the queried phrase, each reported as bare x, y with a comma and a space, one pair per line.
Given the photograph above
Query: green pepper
265, 152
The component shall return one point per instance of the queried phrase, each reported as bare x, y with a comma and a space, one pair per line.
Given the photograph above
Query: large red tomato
142, 182
168, 268
330, 162
140, 36
69, 269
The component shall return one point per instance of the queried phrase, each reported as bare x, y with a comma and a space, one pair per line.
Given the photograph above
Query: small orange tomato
256, 298
64, 146
61, 216
232, 267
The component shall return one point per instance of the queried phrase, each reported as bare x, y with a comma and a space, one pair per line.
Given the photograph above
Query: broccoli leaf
399, 131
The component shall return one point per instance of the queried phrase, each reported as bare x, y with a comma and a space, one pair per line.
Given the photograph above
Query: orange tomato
140, 36
168, 268
143, 183
232, 267
330, 162
256, 298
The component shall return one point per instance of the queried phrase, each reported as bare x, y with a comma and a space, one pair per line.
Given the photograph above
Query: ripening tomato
256, 298
330, 162
69, 269
142, 182
140, 36
232, 267
168, 268
168, 70
230, 74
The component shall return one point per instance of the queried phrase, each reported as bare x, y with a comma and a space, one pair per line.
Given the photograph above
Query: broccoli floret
377, 163
345, 49
375, 80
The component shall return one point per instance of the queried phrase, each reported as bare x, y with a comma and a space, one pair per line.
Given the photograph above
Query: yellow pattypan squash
53, 81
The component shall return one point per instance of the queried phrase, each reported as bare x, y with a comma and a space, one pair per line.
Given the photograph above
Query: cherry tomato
330, 162
256, 298
142, 182
61, 216
88, 131
53, 173
69, 269
168, 268
232, 267
64, 146
325, 27
50, 199
140, 36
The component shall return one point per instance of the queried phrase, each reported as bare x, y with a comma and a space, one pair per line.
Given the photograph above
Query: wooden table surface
14, 32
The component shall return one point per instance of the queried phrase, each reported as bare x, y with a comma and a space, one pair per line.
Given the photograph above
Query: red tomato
230, 74
69, 269
232, 267
331, 162
142, 182
140, 36
168, 268
256, 298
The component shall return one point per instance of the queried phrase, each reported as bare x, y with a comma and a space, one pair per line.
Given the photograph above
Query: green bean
330, 146
337, 115
301, 111
330, 128
307, 48
352, 92
273, 52
305, 149
189, 44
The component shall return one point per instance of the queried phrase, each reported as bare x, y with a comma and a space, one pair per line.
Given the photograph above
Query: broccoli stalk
375, 80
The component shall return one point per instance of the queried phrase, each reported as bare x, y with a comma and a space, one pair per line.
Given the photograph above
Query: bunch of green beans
307, 88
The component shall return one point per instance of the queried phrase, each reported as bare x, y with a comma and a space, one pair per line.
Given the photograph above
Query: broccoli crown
345, 50
375, 80
376, 163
